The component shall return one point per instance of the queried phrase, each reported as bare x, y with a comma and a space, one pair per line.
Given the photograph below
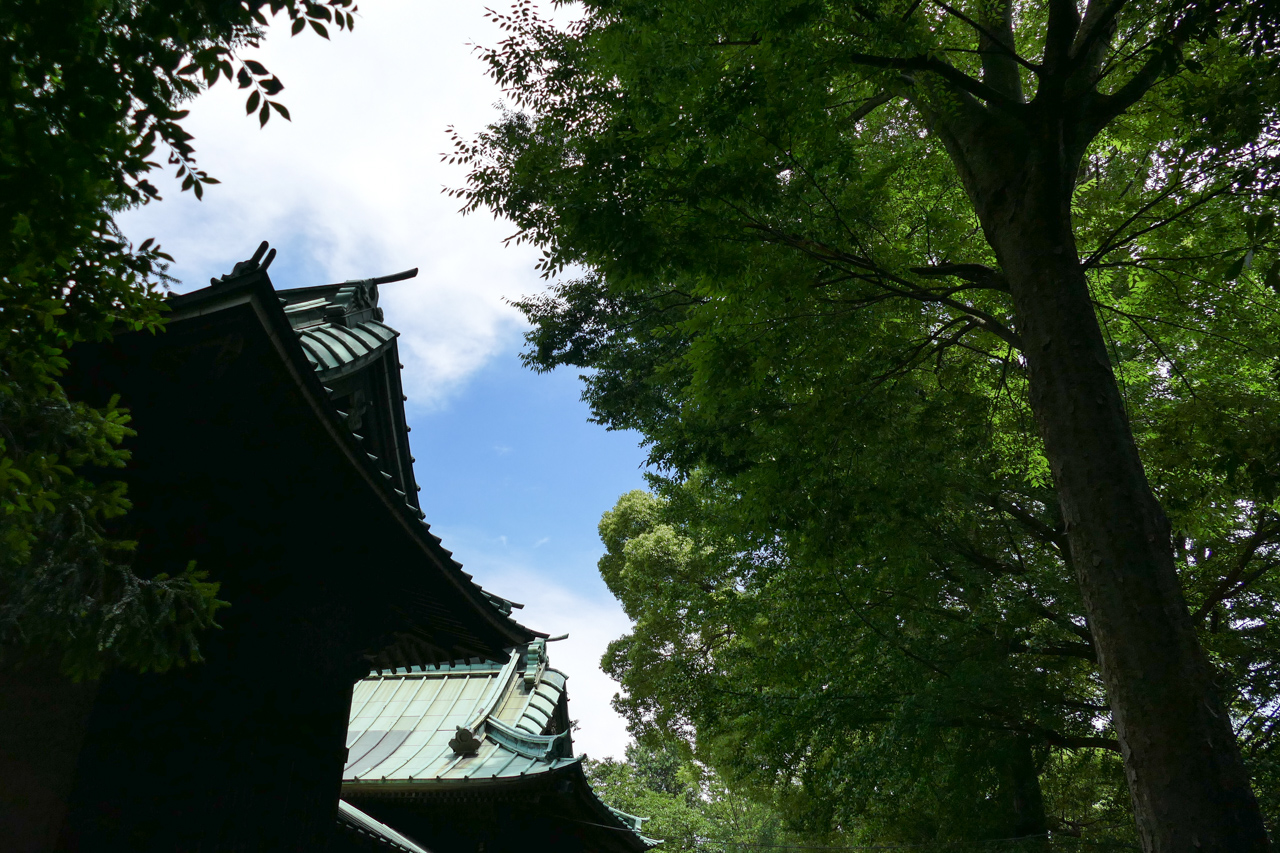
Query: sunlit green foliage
684, 804
854, 586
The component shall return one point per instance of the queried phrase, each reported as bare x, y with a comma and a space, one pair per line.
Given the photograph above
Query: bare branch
1236, 581
1071, 742
1111, 243
869, 106
1084, 651
986, 561
1164, 56
1172, 364
887, 280
1081, 631
1042, 531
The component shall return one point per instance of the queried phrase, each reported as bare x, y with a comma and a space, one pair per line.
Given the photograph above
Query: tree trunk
1188, 783
43, 716
1020, 789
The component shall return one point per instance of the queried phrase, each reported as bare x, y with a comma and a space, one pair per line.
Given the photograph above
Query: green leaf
1265, 224
1233, 269
1272, 278
252, 103
280, 108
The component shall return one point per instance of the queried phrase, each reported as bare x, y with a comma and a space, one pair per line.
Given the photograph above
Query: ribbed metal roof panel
333, 348
401, 723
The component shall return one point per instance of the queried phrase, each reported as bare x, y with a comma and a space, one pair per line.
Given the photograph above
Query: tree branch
869, 106
996, 42
1080, 631
1106, 107
1047, 534
1235, 581
1094, 32
987, 322
1112, 243
946, 71
884, 279
1060, 32
1085, 651
986, 561
1151, 338
979, 274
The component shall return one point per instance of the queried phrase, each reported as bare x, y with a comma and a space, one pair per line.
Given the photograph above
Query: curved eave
564, 770
337, 351
355, 820
604, 814
534, 774
255, 289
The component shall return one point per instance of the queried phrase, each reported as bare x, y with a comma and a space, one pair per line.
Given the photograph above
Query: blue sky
513, 477
511, 467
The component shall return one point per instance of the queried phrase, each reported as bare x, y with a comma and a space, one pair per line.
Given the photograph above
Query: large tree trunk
43, 718
1189, 786
1020, 790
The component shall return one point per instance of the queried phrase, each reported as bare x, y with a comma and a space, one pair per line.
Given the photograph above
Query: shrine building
478, 756
272, 449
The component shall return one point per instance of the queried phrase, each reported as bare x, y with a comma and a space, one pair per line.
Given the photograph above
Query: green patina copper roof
405, 724
340, 326
470, 726
336, 350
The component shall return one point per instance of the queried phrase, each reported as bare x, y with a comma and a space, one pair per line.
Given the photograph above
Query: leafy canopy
684, 804
855, 578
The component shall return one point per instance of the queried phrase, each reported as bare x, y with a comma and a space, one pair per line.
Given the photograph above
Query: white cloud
591, 623
351, 188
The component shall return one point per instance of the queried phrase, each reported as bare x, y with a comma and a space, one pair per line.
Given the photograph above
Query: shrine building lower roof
405, 723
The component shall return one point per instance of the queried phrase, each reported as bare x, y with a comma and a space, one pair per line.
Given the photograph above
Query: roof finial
252, 265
